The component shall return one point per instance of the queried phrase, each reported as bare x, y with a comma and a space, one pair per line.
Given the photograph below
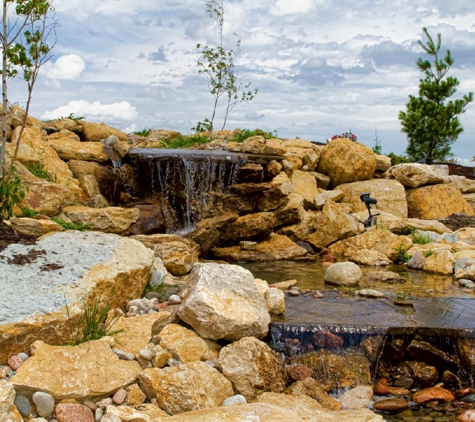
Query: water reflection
309, 275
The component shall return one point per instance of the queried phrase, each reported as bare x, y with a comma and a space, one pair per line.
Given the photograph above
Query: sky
321, 67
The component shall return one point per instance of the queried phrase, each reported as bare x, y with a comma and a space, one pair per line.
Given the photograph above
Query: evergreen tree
430, 121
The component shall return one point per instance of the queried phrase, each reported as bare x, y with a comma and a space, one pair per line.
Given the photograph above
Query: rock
250, 173
138, 331
252, 367
284, 285
95, 132
385, 277
417, 260
291, 211
236, 399
335, 157
96, 370
207, 238
381, 388
305, 185
357, 397
185, 345
34, 227
326, 340
390, 195
298, 372
260, 145
119, 396
44, 403
313, 389
332, 225
467, 416
383, 162
370, 293
414, 175
150, 221
426, 352
462, 183
146, 412
75, 268
206, 301
391, 405
72, 412
337, 368
177, 253
436, 201
304, 405
431, 394
320, 199
275, 301
23, 405
109, 220
343, 274
322, 180
135, 395
466, 273
276, 247
69, 148
369, 257
250, 226
186, 387
441, 262
432, 225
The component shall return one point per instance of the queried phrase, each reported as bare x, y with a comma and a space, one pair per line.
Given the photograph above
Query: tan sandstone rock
186, 387
291, 212
436, 201
304, 405
346, 161
463, 184
413, 175
208, 294
249, 226
253, 367
145, 412
89, 371
313, 389
69, 148
8, 410
34, 227
95, 132
441, 262
305, 185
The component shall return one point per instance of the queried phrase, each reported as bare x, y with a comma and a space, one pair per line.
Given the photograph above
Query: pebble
15, 362
119, 396
237, 399
98, 414
23, 356
173, 362
104, 403
71, 412
174, 300
4, 371
23, 405
123, 355
156, 279
44, 403
146, 354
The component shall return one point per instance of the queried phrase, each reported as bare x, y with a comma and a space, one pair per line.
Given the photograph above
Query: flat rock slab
65, 269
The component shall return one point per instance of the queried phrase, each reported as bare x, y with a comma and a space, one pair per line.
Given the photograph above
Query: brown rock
431, 394
250, 226
336, 156
381, 388
291, 211
313, 389
70, 412
326, 340
298, 372
391, 405
441, 262
95, 132
305, 185
119, 396
135, 395
250, 173
436, 201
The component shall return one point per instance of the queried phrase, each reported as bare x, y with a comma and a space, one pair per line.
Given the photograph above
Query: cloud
156, 56
95, 111
67, 67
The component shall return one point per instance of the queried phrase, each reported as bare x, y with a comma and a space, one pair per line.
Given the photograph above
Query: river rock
436, 201
313, 389
186, 387
414, 175
75, 268
177, 253
185, 345
206, 301
390, 195
466, 273
146, 412
335, 157
391, 405
252, 367
276, 247
275, 301
440, 261
93, 371
333, 224
431, 394
357, 397
370, 293
250, 226
73, 412
343, 274
44, 403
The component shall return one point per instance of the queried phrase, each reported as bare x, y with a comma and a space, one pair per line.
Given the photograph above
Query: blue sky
322, 67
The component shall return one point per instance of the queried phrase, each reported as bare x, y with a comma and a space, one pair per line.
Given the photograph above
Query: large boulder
65, 269
250, 226
305, 185
390, 195
291, 212
71, 148
346, 161
253, 367
91, 371
207, 298
343, 274
96, 132
187, 387
413, 175
434, 202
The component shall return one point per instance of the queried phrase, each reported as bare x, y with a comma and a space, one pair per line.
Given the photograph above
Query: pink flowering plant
349, 135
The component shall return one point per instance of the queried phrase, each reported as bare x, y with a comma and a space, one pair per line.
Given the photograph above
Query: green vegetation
144, 132
401, 254
92, 323
430, 121
398, 159
27, 212
66, 225
421, 239
350, 291
247, 133
217, 64
185, 141
24, 49
428, 253
39, 170
377, 149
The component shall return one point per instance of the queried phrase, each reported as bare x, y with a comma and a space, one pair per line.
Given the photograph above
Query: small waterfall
184, 181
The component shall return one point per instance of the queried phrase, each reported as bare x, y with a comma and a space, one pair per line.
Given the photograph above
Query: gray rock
98, 414
123, 355
110, 141
23, 356
174, 300
370, 293
173, 362
23, 405
417, 261
146, 354
156, 279
343, 274
44, 403
237, 399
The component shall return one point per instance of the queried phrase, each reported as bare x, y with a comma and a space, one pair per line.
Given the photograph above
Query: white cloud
67, 67
95, 111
